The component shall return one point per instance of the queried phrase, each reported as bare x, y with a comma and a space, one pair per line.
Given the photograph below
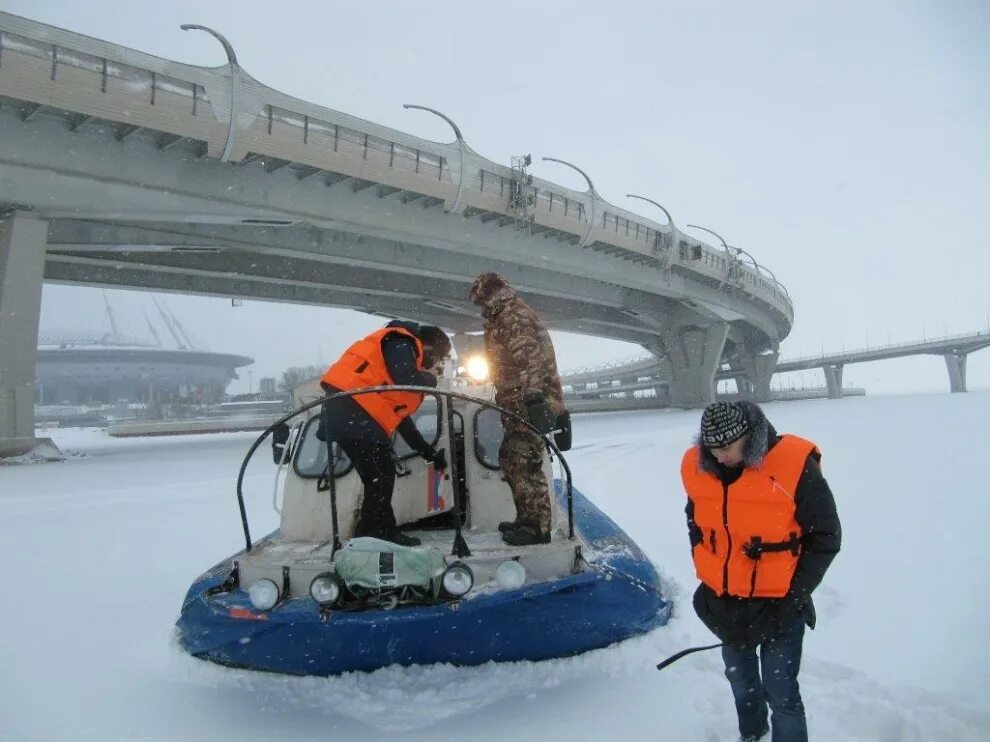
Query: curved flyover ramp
119, 168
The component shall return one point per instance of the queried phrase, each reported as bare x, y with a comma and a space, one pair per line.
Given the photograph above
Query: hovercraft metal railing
460, 547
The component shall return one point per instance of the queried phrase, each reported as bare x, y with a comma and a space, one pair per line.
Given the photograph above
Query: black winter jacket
754, 620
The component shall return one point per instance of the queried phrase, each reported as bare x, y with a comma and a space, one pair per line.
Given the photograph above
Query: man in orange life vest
763, 530
401, 353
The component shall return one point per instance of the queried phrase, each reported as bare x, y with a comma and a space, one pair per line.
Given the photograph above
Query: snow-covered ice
98, 551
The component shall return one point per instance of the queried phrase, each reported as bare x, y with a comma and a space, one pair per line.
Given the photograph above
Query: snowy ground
99, 550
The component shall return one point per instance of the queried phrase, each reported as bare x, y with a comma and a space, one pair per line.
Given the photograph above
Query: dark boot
398, 537
756, 737
525, 535
507, 525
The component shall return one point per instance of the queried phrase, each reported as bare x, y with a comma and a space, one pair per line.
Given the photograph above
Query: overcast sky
844, 144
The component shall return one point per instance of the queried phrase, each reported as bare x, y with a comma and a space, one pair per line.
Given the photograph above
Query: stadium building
80, 367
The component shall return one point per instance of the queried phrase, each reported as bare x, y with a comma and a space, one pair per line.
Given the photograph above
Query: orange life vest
750, 539
362, 366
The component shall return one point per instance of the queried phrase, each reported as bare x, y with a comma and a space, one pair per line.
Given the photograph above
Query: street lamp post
235, 73
461, 149
664, 247
670, 219
713, 232
592, 193
733, 259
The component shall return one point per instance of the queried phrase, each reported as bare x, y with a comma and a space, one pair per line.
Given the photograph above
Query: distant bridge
122, 169
623, 378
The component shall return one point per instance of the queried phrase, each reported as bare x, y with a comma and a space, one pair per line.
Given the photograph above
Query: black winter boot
525, 535
508, 525
756, 737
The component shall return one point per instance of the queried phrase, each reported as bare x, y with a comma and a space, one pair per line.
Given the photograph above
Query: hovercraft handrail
459, 539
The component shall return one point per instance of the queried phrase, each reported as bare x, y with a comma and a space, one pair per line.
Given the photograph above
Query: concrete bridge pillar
693, 353
833, 380
956, 363
758, 369
628, 381
579, 391
743, 385
23, 239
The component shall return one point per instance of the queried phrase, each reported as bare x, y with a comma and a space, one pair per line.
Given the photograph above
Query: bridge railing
609, 371
924, 343
239, 119
627, 362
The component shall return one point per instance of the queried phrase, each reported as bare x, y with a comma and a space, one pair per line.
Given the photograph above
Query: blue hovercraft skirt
618, 597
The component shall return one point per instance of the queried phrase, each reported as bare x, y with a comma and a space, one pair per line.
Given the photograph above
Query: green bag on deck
374, 564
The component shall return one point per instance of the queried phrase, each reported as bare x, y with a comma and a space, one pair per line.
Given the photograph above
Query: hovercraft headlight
477, 368
457, 579
263, 594
325, 589
510, 575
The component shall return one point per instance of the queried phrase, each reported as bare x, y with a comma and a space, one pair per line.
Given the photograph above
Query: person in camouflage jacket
523, 368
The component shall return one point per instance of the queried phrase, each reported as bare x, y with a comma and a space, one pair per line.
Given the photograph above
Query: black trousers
374, 464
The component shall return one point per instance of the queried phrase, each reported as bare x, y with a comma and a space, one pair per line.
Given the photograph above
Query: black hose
684, 653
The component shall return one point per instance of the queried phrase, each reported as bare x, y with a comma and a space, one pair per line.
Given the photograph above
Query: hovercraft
309, 599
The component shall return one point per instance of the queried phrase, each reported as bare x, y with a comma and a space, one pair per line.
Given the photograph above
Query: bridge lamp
670, 219
713, 232
477, 368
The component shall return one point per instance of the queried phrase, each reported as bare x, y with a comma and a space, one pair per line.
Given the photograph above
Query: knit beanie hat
721, 424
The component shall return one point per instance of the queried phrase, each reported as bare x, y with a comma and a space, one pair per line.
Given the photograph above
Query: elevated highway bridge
122, 169
626, 377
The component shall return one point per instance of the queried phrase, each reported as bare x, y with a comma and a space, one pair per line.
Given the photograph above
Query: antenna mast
113, 321
181, 327
154, 332
522, 196
168, 323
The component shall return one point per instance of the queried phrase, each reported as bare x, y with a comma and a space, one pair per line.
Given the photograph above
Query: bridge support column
23, 239
580, 389
694, 353
743, 385
758, 369
833, 380
956, 363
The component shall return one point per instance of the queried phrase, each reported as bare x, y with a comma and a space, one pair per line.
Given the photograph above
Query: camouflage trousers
520, 458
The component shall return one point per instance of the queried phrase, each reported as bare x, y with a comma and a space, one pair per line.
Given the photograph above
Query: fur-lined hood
492, 292
497, 301
762, 437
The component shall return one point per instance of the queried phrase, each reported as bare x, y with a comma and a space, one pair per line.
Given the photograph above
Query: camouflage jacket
520, 353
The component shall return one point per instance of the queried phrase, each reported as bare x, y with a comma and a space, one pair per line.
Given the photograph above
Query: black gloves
540, 413
437, 457
425, 378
